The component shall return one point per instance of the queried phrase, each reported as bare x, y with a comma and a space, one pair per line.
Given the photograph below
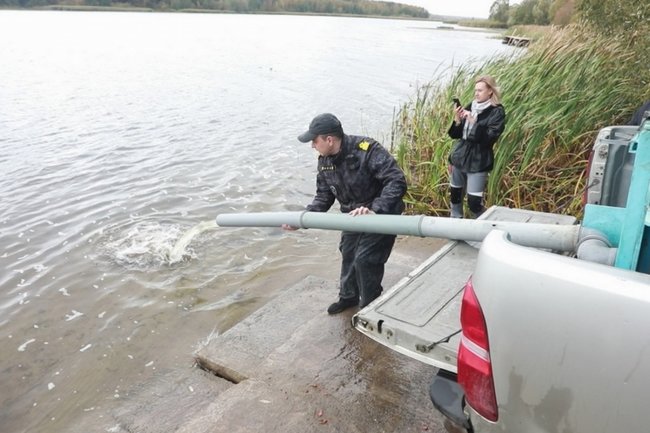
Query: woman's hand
461, 114
458, 114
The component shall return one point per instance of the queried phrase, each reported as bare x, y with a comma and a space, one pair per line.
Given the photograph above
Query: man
365, 179
640, 114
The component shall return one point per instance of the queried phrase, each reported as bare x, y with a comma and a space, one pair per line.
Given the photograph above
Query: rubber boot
475, 215
456, 210
475, 204
456, 200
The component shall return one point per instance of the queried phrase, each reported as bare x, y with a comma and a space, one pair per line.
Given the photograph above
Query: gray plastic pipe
551, 236
593, 246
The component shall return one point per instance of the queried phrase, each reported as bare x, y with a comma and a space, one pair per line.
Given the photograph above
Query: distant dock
516, 41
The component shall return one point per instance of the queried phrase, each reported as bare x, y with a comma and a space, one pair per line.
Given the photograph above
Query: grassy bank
534, 32
94, 8
484, 24
557, 94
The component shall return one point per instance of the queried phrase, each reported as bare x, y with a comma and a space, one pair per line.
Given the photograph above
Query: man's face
323, 144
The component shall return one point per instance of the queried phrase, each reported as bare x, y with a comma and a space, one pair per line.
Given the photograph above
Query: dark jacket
637, 117
363, 173
476, 154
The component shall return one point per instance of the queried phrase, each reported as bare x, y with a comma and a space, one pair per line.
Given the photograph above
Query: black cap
323, 124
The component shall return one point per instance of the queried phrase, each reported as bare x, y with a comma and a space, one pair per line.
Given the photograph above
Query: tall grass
557, 95
531, 31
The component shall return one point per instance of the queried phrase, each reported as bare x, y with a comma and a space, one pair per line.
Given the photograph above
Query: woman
477, 127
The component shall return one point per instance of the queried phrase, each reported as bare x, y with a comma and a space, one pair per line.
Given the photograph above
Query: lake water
119, 132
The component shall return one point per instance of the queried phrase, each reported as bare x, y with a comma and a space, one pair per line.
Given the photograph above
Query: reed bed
557, 95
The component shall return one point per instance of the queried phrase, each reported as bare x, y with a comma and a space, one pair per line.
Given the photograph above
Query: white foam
179, 250
22, 347
74, 315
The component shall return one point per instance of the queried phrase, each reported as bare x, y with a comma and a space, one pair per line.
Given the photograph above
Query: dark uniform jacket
637, 117
476, 154
363, 173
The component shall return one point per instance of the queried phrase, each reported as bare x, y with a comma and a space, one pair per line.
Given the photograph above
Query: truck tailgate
420, 316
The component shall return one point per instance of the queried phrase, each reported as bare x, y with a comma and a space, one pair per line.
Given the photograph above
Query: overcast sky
461, 8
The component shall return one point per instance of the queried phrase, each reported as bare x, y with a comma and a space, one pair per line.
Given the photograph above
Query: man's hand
288, 227
361, 211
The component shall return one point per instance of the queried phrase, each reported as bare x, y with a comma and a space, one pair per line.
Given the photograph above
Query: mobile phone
457, 102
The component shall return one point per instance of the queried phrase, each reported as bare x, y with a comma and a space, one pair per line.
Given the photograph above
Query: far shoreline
85, 8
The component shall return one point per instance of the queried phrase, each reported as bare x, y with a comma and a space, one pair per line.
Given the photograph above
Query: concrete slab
169, 400
290, 367
318, 374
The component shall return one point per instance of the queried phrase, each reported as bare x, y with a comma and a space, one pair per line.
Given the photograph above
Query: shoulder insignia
364, 145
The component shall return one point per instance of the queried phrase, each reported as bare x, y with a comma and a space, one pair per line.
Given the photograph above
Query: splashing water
178, 252
143, 246
151, 244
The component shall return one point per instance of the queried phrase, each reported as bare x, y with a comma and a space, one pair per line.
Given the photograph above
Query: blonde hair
492, 85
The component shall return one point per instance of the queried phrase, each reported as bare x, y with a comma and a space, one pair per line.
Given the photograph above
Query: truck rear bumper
449, 398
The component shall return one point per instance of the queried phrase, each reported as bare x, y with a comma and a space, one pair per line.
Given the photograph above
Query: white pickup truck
528, 340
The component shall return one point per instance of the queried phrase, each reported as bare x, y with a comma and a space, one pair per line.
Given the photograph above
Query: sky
461, 8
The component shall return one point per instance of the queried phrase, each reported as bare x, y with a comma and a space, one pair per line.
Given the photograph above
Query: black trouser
362, 267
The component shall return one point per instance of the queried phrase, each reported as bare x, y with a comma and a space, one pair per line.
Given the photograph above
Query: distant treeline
352, 7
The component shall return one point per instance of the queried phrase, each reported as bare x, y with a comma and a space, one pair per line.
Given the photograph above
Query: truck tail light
474, 366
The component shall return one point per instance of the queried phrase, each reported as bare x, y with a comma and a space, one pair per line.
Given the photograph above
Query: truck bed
420, 316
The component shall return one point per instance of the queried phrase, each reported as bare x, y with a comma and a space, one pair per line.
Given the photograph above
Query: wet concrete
289, 367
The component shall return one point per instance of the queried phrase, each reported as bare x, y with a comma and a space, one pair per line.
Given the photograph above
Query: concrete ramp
289, 367
301, 370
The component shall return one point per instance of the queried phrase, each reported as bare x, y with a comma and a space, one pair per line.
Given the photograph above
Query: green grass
557, 95
534, 32
485, 24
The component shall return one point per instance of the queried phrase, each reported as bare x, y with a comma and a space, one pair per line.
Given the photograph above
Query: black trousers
362, 269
